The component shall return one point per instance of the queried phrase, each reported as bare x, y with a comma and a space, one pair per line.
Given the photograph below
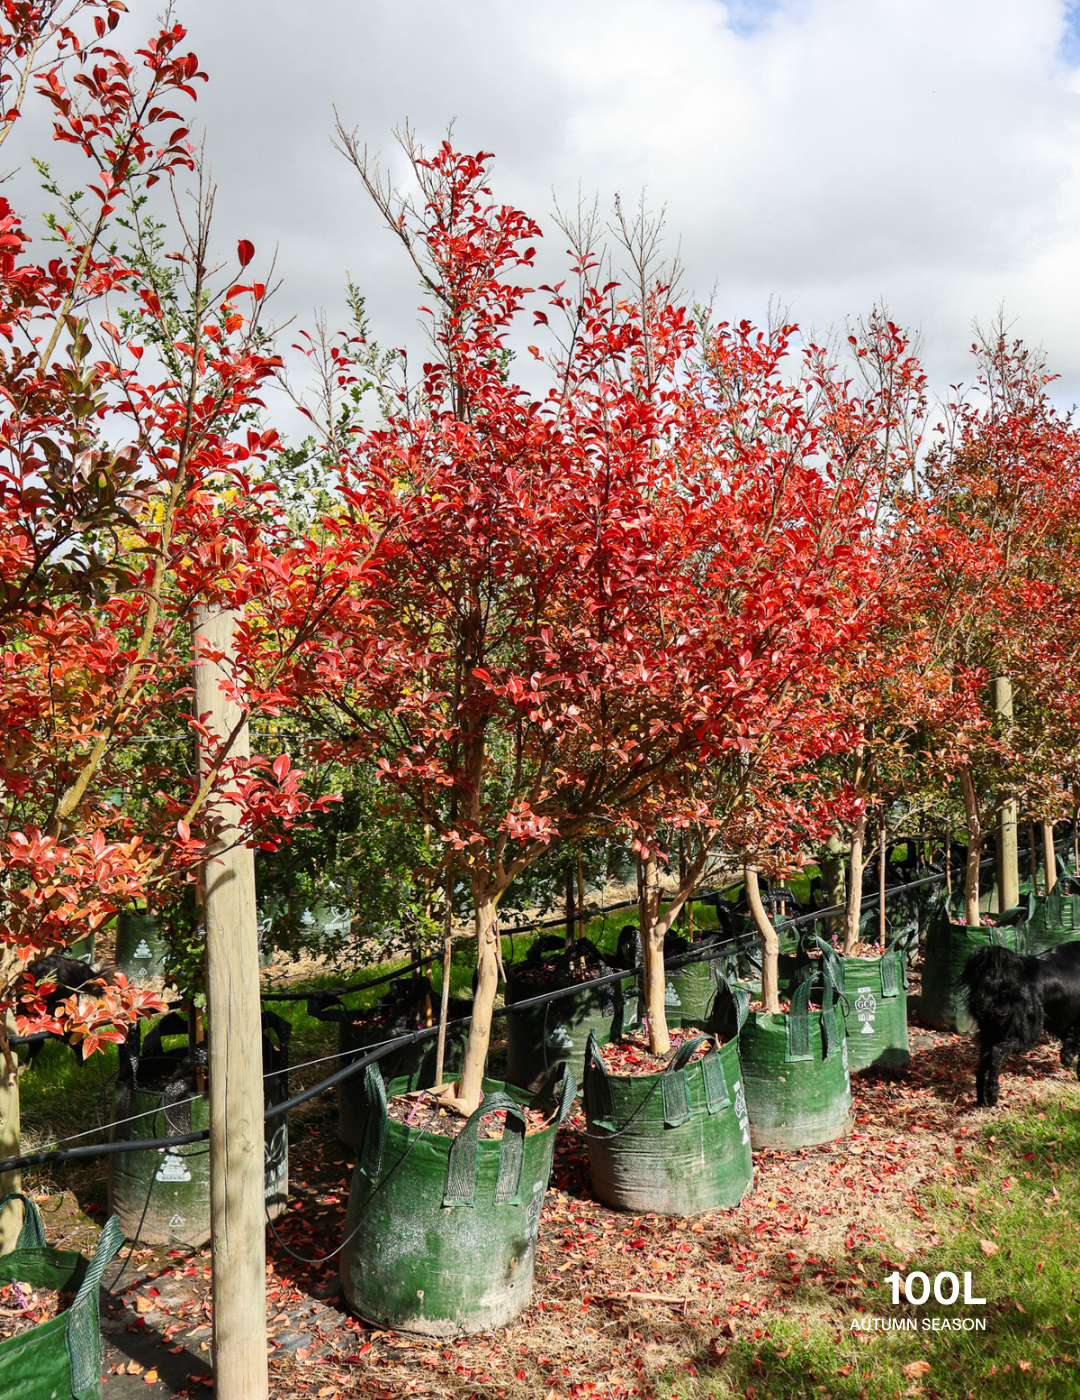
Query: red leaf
245, 251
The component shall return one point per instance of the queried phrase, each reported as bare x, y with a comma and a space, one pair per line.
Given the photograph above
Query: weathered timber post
237, 1141
1008, 855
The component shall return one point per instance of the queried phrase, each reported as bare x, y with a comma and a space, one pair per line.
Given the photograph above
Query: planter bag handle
891, 974
557, 1092
461, 1169
673, 1086
740, 999
798, 1023
598, 1086
82, 1331
371, 1149
32, 1234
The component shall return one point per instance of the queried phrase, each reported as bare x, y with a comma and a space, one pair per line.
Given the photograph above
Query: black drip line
714, 948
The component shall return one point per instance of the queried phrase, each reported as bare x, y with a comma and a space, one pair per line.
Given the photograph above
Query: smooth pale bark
469, 1087
855, 863
881, 888
855, 879
974, 845
653, 931
834, 875
569, 891
444, 1001
770, 944
11, 1215
1049, 856
1008, 854
237, 1142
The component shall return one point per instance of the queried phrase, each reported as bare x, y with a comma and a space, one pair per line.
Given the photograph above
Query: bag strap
673, 1085
82, 1331
831, 1028
798, 1025
712, 1076
371, 1149
461, 1169
740, 999
558, 1090
598, 1086
32, 1234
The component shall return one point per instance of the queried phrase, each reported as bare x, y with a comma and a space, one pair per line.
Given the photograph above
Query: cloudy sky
825, 153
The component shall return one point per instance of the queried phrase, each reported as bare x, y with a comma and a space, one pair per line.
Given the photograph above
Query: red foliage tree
608, 606
129, 491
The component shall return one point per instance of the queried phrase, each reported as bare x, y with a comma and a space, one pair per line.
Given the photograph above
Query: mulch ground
621, 1303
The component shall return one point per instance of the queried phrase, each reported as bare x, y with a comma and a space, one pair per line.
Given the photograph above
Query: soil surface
632, 1056
23, 1307
424, 1113
621, 1304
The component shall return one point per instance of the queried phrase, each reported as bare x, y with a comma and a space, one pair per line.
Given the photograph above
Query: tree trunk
855, 879
487, 984
237, 1136
1008, 862
834, 875
1049, 856
652, 952
974, 845
569, 891
881, 887
770, 944
581, 898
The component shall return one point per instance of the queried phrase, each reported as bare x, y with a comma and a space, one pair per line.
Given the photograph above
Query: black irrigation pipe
431, 957
710, 950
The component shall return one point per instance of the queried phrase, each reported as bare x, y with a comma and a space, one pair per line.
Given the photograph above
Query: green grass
1014, 1225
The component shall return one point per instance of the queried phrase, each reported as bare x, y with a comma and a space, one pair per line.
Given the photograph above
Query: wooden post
1008, 854
444, 1001
12, 1214
1049, 856
237, 1172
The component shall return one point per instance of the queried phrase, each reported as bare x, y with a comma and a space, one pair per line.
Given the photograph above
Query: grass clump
1011, 1219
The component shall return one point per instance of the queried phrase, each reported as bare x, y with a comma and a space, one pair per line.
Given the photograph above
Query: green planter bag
415, 1063
875, 1011
164, 1197
943, 1003
795, 1069
59, 1359
1053, 920
538, 1037
676, 1143
440, 1234
691, 989
140, 949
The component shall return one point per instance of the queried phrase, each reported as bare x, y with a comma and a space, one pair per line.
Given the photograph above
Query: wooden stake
237, 1138
444, 1004
1049, 856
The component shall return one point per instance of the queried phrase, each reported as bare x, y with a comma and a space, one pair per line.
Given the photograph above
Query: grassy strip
1011, 1220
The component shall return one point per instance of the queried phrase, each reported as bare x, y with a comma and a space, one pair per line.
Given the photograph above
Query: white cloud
827, 152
